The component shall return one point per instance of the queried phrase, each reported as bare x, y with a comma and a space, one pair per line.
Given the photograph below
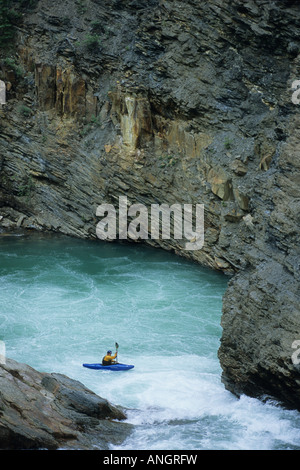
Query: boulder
51, 411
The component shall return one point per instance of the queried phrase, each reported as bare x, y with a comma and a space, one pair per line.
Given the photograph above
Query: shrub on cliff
7, 18
92, 42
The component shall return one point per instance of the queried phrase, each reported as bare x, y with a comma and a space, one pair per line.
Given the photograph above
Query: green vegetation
26, 188
24, 110
97, 26
81, 6
29, 4
94, 122
10, 17
10, 62
168, 160
91, 42
228, 144
7, 18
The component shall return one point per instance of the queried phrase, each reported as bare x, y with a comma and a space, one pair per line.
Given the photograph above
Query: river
65, 301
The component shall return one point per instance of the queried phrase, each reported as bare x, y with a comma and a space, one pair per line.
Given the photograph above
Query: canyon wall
170, 102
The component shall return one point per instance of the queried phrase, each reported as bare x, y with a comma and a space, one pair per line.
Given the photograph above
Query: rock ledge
51, 411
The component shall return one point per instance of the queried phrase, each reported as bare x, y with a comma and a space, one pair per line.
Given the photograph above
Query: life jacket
106, 363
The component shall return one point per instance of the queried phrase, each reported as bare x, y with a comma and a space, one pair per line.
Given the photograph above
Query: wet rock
51, 411
257, 343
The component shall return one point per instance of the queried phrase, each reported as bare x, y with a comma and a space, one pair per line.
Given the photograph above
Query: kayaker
109, 359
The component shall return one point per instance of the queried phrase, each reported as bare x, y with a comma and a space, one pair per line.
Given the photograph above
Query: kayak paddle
117, 347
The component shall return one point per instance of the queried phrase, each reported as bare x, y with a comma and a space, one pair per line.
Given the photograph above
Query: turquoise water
65, 302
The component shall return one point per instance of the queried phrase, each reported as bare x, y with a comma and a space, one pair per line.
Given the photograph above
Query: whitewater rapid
65, 302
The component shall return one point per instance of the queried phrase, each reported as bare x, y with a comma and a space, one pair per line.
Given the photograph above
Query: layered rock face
170, 102
51, 411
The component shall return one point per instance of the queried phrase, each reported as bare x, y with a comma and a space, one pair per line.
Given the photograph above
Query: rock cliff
169, 102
